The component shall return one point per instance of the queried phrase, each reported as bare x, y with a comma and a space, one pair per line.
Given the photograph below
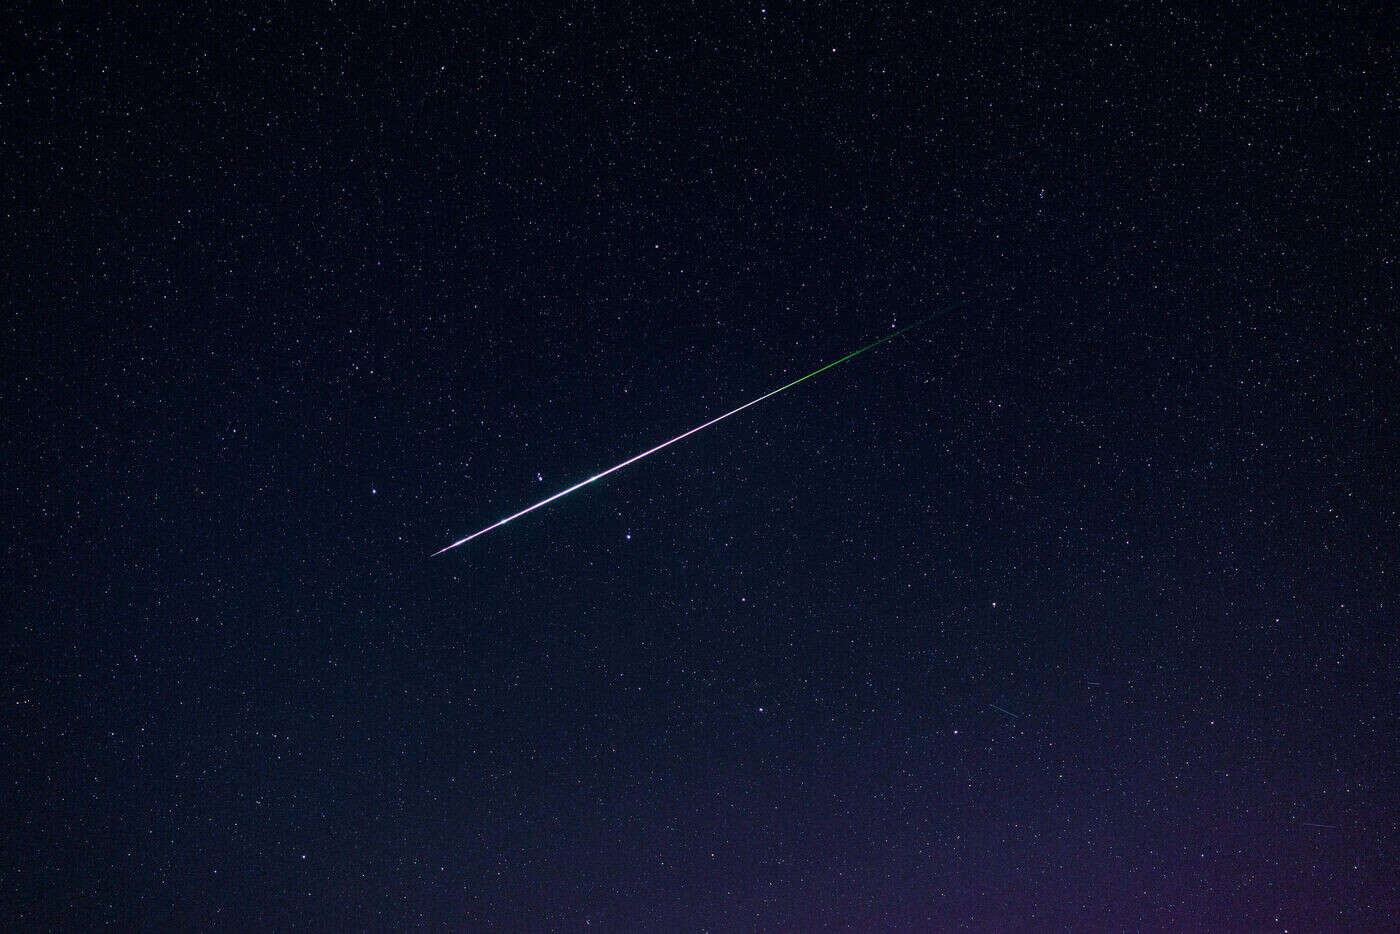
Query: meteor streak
680, 437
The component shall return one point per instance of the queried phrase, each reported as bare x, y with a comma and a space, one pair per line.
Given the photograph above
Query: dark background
1074, 609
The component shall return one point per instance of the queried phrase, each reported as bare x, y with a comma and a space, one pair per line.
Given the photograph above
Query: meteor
681, 437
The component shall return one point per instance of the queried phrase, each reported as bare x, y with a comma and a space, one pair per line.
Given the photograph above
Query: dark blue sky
1074, 609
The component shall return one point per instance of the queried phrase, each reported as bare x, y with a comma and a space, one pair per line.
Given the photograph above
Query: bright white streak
595, 477
680, 437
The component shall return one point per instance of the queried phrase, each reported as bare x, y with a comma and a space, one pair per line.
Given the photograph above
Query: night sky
1074, 609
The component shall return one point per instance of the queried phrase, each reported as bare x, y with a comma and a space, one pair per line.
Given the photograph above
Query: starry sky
1073, 609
